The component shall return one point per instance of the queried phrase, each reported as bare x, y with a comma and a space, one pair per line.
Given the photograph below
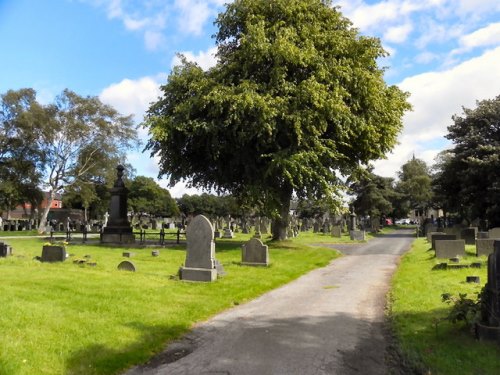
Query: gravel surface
329, 321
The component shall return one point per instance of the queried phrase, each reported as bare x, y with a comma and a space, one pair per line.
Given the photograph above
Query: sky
445, 53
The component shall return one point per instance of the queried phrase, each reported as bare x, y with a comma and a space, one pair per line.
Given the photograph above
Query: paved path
329, 321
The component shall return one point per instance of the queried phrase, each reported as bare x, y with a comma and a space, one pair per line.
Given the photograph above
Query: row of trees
71, 145
464, 181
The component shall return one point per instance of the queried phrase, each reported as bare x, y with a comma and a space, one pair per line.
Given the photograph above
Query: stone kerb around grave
450, 248
200, 251
255, 253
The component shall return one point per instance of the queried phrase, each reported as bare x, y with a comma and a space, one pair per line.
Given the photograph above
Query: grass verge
65, 318
430, 343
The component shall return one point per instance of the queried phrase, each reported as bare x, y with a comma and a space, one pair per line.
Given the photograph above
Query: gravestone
439, 236
453, 230
494, 232
5, 250
126, 265
228, 233
469, 235
336, 231
263, 225
429, 227
484, 246
450, 248
357, 235
430, 234
491, 303
255, 253
53, 253
200, 251
483, 235
118, 228
316, 227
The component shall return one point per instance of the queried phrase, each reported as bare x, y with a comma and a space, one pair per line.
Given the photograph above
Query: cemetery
281, 130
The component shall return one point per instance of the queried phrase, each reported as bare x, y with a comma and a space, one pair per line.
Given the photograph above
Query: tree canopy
468, 175
147, 197
295, 99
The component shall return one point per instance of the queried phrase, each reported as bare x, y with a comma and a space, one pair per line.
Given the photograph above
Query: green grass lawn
416, 307
65, 318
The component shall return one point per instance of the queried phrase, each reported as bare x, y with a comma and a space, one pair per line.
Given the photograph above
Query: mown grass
65, 318
429, 341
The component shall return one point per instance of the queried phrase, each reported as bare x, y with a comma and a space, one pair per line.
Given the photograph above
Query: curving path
329, 321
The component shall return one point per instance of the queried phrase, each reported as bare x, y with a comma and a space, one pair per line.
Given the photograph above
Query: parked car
403, 221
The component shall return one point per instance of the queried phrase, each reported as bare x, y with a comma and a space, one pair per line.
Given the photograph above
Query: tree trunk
45, 213
280, 224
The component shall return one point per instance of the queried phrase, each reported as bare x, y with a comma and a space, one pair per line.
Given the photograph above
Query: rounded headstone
155, 253
126, 266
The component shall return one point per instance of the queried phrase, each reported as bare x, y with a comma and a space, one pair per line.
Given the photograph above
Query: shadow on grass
100, 359
426, 342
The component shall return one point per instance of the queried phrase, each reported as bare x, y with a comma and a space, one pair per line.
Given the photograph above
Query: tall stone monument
118, 228
200, 262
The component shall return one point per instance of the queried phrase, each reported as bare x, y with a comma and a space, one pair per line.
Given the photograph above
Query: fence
162, 237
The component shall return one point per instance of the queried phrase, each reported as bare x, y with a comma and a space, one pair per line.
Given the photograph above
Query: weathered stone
200, 251
53, 253
439, 236
126, 265
118, 228
472, 279
450, 248
452, 230
430, 234
228, 233
155, 253
484, 246
128, 254
255, 253
357, 235
494, 232
5, 250
336, 231
468, 235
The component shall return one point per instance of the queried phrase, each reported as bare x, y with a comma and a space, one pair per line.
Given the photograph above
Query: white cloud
486, 36
205, 59
193, 15
426, 57
435, 97
132, 96
153, 40
398, 34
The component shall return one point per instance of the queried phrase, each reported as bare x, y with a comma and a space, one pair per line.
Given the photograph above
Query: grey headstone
469, 235
126, 265
484, 246
438, 236
5, 250
255, 253
336, 231
430, 234
483, 235
228, 233
450, 248
357, 235
494, 232
128, 254
452, 230
155, 253
200, 251
53, 253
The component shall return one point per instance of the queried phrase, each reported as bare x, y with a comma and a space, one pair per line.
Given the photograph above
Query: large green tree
295, 99
83, 137
22, 121
415, 186
470, 171
146, 196
373, 194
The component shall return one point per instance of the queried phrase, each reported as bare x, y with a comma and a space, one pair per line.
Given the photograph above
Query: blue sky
446, 53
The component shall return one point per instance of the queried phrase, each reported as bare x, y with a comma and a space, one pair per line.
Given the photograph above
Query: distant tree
22, 121
82, 136
295, 96
373, 194
471, 170
146, 196
415, 185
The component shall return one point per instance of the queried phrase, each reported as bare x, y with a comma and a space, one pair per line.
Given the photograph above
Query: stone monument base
117, 238
197, 274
